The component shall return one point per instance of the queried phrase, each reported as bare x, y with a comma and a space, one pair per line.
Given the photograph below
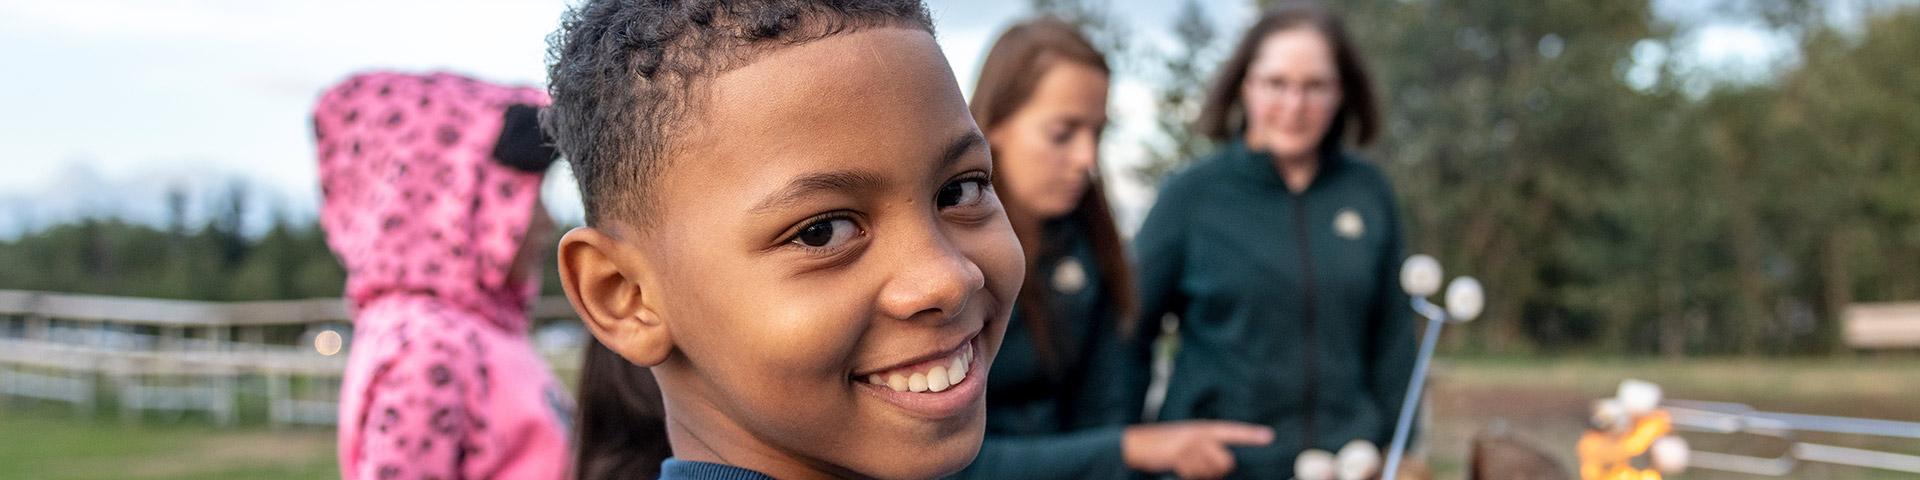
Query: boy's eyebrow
966, 142
814, 183
855, 180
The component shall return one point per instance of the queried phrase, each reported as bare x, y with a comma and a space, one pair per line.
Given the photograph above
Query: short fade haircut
625, 76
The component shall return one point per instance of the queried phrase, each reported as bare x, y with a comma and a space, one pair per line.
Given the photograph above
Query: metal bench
1882, 325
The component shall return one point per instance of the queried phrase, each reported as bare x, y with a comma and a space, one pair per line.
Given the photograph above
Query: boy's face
827, 224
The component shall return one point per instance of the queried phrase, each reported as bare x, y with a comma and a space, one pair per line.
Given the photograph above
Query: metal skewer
1420, 276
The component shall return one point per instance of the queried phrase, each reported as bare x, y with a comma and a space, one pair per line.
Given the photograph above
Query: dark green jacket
1290, 309
1062, 423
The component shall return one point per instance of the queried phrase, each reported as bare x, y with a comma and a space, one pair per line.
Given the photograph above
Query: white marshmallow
1420, 276
1669, 454
1313, 464
1639, 397
1358, 460
1465, 299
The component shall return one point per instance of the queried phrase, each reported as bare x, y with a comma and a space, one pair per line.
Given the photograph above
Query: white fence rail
175, 356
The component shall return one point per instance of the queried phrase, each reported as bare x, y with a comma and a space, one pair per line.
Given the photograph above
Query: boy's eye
827, 233
963, 192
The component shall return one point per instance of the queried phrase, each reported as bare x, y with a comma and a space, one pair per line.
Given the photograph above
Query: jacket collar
1258, 165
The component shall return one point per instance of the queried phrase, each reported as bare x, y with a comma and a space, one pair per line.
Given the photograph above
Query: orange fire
1608, 455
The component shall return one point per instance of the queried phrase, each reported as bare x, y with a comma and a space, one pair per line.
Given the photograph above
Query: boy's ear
603, 278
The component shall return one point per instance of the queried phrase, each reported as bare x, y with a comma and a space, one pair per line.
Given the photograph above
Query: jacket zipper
1310, 347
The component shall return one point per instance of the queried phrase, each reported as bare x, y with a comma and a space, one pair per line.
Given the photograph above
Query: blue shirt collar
691, 470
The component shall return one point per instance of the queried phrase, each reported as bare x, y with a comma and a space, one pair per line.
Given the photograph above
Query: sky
114, 102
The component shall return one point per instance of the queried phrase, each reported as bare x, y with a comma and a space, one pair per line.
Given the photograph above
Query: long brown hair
1224, 115
1008, 77
621, 430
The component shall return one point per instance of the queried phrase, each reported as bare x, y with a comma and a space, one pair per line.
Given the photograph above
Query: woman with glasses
1279, 252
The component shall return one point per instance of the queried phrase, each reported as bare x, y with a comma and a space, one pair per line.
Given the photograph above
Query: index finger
1243, 434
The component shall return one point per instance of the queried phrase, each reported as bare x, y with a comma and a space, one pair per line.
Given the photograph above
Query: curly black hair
625, 75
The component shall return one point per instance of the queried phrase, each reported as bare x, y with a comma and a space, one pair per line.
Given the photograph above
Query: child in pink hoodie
430, 190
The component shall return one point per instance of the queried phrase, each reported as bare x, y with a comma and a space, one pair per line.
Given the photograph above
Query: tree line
1635, 211
212, 260
218, 258
1613, 195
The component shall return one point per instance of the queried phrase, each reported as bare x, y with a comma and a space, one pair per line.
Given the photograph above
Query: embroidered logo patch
1069, 276
1347, 224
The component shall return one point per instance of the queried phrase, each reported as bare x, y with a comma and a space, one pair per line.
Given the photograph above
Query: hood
413, 198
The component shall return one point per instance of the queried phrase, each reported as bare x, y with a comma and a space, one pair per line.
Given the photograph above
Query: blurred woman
1057, 405
1280, 251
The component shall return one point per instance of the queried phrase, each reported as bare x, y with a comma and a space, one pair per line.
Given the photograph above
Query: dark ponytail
622, 426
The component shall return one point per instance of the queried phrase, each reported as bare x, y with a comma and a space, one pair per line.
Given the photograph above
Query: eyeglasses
1317, 91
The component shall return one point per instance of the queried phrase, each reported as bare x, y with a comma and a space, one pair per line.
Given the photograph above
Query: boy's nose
933, 277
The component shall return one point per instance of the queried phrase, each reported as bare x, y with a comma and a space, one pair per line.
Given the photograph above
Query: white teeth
940, 378
937, 379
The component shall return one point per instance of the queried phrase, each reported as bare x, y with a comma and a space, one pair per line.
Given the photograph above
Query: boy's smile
935, 387
828, 260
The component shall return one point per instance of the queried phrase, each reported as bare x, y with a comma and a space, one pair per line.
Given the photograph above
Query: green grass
47, 441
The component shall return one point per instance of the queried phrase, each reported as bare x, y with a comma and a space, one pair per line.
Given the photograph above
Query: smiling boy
792, 224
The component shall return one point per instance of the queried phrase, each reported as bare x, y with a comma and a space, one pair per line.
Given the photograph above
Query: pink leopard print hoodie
441, 382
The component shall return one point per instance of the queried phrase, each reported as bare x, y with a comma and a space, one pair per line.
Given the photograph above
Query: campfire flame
1608, 455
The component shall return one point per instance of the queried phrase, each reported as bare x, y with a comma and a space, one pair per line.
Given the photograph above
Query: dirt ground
1545, 402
